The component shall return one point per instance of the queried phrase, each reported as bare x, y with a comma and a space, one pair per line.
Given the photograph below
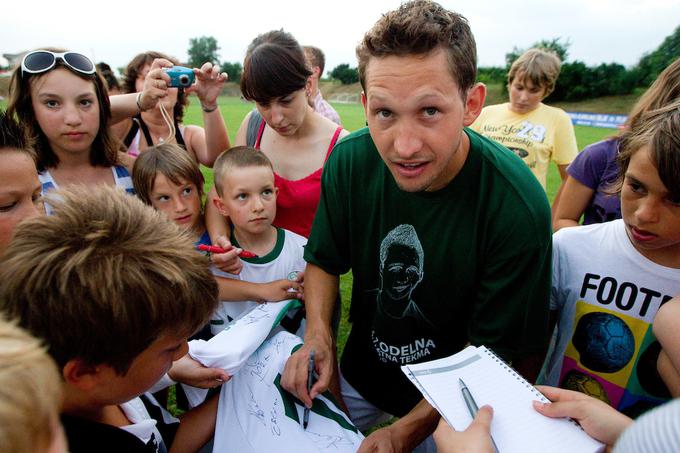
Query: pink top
297, 200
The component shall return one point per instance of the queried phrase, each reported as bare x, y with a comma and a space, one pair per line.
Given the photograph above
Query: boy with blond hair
30, 394
244, 181
534, 131
114, 291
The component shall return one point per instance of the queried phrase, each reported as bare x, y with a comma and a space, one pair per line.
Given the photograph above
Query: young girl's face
19, 192
67, 110
285, 114
181, 203
652, 219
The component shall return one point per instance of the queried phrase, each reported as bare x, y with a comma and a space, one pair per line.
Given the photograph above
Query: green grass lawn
352, 115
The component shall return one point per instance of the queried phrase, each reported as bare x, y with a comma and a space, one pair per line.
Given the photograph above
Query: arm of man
196, 427
320, 294
406, 433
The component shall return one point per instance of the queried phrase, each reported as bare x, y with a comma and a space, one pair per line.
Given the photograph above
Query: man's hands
294, 377
597, 418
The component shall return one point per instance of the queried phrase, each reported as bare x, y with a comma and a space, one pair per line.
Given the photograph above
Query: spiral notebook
516, 426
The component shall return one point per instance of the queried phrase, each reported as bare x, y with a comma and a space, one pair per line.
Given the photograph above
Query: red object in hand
216, 249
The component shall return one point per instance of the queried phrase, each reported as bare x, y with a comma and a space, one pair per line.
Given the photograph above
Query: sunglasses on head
43, 60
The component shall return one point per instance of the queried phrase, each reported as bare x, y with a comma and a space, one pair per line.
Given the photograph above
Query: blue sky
599, 30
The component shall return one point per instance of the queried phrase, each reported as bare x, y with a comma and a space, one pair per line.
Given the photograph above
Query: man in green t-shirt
447, 233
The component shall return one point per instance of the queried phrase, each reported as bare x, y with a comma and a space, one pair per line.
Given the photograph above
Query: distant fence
597, 119
345, 98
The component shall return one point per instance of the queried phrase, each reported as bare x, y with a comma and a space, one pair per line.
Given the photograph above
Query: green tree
202, 50
234, 70
651, 64
345, 74
556, 45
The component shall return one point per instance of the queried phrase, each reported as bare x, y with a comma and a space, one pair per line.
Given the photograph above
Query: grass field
352, 115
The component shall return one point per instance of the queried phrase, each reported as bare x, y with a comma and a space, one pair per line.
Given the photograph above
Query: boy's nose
648, 211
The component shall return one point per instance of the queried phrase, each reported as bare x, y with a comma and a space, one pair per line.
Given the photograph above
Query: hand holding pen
475, 411
227, 262
310, 377
216, 249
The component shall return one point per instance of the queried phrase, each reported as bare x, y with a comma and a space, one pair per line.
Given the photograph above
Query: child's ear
217, 201
81, 375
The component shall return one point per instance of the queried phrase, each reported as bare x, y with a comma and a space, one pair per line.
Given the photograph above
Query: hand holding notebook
516, 426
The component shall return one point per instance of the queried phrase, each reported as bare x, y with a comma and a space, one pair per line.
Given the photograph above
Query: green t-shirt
468, 263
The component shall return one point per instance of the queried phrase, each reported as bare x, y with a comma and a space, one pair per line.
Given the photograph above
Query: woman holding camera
163, 123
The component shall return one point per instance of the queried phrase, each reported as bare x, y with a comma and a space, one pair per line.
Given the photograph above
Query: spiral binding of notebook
490, 380
521, 379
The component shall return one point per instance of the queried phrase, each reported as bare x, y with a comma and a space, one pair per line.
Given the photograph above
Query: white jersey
256, 414
286, 257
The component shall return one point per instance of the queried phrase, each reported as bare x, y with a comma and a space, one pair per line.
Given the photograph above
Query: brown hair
315, 57
12, 136
30, 392
274, 67
170, 160
660, 130
134, 69
540, 66
664, 90
104, 151
104, 277
237, 157
419, 27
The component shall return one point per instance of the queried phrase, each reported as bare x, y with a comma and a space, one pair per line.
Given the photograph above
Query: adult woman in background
150, 127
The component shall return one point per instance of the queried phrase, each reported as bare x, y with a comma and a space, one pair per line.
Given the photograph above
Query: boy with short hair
535, 132
244, 180
114, 291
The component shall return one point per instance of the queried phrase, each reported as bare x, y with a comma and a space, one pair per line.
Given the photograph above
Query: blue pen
472, 405
310, 375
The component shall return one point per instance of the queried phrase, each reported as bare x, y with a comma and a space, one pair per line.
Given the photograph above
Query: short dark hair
419, 27
316, 57
275, 66
237, 157
103, 277
105, 147
133, 70
108, 75
11, 135
170, 160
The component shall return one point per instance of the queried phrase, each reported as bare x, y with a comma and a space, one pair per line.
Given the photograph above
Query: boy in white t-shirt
610, 279
244, 180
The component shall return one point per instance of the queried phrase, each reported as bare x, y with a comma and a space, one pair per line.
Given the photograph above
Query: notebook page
516, 426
